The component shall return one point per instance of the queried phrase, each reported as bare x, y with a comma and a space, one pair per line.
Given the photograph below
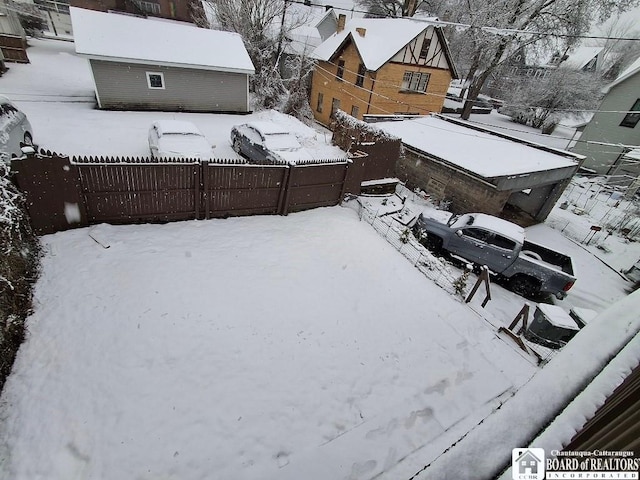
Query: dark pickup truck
482, 239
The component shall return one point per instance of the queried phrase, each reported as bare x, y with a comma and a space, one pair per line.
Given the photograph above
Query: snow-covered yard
246, 347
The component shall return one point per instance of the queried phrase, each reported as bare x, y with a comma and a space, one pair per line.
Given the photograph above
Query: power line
485, 28
22, 12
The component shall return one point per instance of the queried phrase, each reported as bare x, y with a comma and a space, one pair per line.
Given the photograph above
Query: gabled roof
129, 39
527, 453
383, 39
628, 72
581, 56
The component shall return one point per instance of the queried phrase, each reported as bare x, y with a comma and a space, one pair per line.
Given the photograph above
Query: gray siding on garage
124, 86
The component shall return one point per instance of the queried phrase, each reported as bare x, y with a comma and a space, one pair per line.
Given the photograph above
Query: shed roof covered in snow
477, 150
383, 39
582, 56
130, 39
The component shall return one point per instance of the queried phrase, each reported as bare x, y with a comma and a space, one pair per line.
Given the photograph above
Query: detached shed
480, 170
152, 64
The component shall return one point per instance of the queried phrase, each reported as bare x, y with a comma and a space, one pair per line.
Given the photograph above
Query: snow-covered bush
19, 260
460, 284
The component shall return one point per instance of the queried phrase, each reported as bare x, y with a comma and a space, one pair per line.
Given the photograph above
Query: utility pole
409, 8
281, 35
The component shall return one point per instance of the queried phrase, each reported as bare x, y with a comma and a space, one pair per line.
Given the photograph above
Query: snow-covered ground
238, 347
262, 347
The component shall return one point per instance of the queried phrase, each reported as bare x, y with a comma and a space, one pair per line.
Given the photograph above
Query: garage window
155, 80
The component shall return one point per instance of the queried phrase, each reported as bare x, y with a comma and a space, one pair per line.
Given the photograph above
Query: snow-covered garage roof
481, 151
125, 38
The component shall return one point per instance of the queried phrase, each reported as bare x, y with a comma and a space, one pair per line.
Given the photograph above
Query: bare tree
264, 25
541, 102
618, 53
496, 30
260, 24
399, 8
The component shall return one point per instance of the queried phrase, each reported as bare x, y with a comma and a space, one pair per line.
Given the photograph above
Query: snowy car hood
300, 155
281, 142
184, 146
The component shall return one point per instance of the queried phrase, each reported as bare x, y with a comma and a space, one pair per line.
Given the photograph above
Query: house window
320, 100
415, 81
155, 80
355, 111
631, 119
335, 106
360, 78
148, 7
340, 72
424, 51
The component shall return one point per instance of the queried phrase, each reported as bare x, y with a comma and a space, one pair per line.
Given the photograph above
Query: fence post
483, 278
283, 190
207, 199
287, 192
344, 182
197, 188
524, 316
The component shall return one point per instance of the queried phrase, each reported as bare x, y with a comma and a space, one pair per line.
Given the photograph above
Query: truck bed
554, 259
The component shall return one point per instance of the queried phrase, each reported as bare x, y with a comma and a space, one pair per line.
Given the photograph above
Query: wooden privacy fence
63, 193
382, 150
14, 48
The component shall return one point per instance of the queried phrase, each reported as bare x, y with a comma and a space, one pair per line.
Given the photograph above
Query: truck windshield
459, 221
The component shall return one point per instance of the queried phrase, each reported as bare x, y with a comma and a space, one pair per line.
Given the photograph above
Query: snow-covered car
178, 139
15, 130
454, 104
267, 142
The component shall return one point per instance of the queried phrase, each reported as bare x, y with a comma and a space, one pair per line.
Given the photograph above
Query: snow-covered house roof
582, 58
477, 150
125, 38
310, 24
628, 72
383, 39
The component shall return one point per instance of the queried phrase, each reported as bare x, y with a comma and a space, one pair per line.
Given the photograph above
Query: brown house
381, 66
182, 10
